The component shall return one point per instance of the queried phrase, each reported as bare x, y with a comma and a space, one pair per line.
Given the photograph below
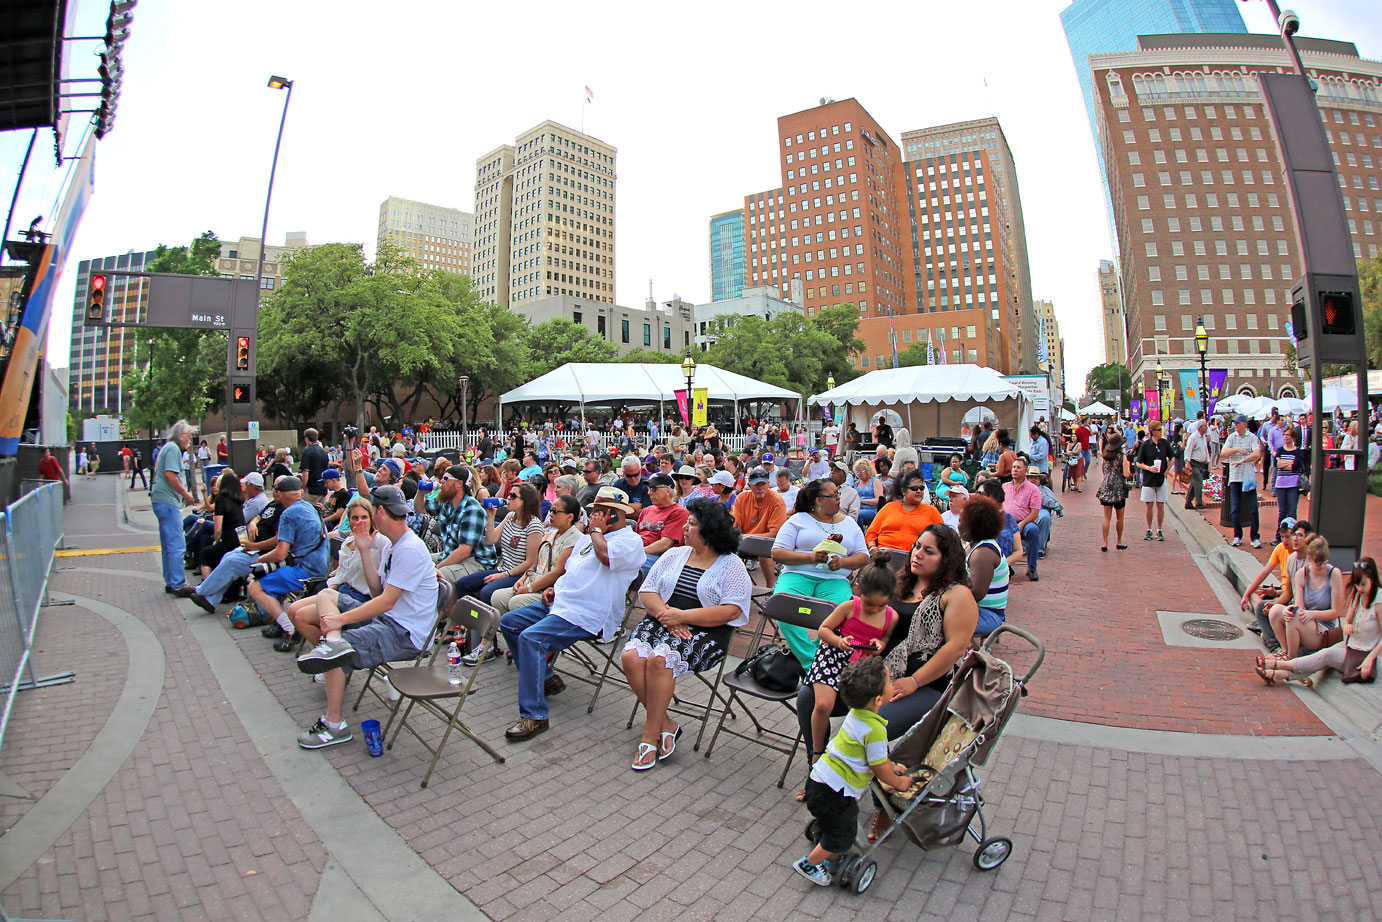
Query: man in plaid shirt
463, 522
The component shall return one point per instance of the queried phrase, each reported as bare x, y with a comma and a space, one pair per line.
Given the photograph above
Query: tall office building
101, 357
437, 237
544, 218
840, 223
1112, 320
968, 240
1204, 222
240, 259
728, 260
1101, 26
1050, 346
765, 233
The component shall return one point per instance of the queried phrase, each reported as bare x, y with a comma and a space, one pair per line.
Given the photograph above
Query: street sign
253, 426
170, 300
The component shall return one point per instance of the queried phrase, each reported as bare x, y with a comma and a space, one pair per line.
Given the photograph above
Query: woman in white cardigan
695, 596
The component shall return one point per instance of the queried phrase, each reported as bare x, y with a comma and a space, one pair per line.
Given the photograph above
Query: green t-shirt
861, 743
169, 459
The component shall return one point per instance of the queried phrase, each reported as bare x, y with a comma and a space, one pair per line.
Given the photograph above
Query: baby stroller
940, 752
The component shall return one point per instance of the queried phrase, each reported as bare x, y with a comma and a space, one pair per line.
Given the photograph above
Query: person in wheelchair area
355, 581
301, 548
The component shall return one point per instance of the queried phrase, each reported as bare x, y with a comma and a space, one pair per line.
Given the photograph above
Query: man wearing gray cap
1242, 450
301, 548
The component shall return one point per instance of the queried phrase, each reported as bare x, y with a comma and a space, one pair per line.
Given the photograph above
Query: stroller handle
1030, 638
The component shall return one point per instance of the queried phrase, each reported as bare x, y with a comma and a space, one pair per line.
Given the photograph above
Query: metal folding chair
446, 595
595, 657
427, 686
789, 608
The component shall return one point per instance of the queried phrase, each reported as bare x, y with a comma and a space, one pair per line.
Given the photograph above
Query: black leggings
901, 714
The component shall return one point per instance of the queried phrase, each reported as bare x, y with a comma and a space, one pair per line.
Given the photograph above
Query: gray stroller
940, 752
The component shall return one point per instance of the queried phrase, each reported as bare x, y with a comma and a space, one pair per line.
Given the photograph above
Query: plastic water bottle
453, 664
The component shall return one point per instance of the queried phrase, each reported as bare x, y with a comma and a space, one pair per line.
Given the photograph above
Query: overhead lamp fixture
279, 83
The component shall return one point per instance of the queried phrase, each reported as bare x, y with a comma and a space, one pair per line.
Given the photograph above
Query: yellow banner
1169, 404
700, 401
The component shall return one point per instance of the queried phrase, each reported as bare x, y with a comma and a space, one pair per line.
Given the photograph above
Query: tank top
856, 630
1318, 599
996, 599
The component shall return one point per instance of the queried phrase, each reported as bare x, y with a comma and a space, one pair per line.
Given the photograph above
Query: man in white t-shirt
584, 599
830, 437
1242, 450
394, 625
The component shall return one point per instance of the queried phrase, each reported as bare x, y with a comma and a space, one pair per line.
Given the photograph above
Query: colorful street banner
839, 416
930, 350
700, 404
1218, 380
1136, 409
682, 406
1168, 408
1190, 386
1153, 405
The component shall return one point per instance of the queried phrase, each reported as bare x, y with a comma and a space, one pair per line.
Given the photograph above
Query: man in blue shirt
531, 466
301, 548
1041, 451
168, 493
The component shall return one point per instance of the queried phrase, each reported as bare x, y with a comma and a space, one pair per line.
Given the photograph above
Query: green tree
553, 343
178, 373
1370, 284
789, 350
636, 356
1109, 377
372, 325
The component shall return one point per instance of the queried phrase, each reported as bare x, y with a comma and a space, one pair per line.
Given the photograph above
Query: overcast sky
400, 99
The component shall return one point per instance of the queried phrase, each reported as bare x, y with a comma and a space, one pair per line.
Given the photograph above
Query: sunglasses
513, 496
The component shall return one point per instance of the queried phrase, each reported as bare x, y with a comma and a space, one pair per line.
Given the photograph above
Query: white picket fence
436, 440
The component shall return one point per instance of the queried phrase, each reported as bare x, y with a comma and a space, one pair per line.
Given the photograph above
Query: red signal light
98, 282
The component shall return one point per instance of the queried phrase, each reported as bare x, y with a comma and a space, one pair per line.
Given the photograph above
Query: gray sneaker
815, 873
319, 736
481, 654
325, 656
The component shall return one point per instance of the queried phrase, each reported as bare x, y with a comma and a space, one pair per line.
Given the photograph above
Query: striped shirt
996, 599
861, 742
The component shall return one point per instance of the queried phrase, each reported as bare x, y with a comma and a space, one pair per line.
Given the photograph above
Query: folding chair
427, 686
446, 595
900, 558
789, 608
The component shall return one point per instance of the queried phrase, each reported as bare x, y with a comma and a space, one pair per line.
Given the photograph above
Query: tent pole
910, 428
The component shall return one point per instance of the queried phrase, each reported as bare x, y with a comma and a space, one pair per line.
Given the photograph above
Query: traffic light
240, 393
96, 298
1336, 313
242, 354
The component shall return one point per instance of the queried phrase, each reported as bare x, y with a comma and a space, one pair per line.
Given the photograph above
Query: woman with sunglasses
898, 524
1356, 655
556, 545
818, 547
517, 538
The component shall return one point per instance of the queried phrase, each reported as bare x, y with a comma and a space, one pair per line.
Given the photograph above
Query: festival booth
618, 383
932, 399
1098, 408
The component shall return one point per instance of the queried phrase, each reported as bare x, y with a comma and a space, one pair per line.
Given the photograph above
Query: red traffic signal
96, 298
240, 393
1336, 310
242, 353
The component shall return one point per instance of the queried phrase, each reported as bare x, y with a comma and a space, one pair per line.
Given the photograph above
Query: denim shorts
378, 641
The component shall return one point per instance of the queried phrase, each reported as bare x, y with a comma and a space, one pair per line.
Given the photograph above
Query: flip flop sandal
1122, 547
878, 826
667, 743
1260, 665
644, 750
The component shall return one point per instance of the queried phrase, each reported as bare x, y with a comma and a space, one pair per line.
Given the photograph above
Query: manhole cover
1210, 629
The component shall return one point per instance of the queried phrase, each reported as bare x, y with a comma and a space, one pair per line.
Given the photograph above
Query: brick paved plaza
1142, 780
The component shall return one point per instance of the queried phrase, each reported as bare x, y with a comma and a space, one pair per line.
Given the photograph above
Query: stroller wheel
813, 831
993, 852
845, 876
864, 871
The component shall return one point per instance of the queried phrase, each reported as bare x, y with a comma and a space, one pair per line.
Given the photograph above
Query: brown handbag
1353, 663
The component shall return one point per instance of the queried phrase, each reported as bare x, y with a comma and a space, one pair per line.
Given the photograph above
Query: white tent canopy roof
920, 383
604, 382
1098, 408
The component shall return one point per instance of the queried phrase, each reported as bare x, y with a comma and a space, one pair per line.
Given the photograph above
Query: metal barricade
30, 532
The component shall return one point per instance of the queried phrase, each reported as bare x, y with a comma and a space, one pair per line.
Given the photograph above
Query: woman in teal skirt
820, 574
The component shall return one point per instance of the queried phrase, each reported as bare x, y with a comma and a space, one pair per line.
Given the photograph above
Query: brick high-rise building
968, 239
437, 237
1112, 320
841, 220
765, 237
544, 218
1203, 220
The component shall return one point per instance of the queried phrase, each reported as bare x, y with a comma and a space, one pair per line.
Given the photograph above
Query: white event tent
952, 390
1098, 408
624, 382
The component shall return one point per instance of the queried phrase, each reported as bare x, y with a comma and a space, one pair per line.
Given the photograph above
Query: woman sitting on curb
1356, 655
1312, 621
695, 596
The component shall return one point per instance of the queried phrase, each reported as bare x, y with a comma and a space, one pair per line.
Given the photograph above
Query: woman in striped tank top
981, 522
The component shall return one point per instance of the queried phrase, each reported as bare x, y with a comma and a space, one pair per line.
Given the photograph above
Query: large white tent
1098, 408
620, 382
952, 390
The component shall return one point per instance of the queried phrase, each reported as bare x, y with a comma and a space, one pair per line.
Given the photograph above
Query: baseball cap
389, 497
758, 475
958, 490
254, 478
331, 474
1286, 524
768, 457
723, 479
569, 464
661, 480
842, 466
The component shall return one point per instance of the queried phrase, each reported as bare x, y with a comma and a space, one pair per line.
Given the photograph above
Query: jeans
1286, 500
648, 561
531, 633
233, 566
1243, 503
138, 471
475, 585
1199, 473
173, 543
1034, 538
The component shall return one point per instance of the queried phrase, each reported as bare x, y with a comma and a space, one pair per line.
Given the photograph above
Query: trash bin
1225, 504
212, 472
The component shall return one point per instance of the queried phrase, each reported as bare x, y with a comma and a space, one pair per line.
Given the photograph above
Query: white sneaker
1256, 543
1237, 542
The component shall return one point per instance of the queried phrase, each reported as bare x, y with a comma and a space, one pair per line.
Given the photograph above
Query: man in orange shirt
759, 510
899, 523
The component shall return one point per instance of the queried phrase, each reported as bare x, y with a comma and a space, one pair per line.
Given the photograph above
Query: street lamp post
1202, 347
688, 368
1160, 398
465, 380
252, 323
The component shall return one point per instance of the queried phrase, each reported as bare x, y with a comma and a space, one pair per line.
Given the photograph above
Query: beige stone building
1048, 334
1203, 220
666, 327
240, 259
1112, 320
437, 237
544, 218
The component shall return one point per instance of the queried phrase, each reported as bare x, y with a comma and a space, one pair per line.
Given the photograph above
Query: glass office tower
728, 267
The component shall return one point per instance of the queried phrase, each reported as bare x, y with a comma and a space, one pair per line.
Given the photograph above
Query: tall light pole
249, 326
688, 368
1160, 399
465, 380
1202, 347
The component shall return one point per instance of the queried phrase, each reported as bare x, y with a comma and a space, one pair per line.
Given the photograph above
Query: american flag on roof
589, 96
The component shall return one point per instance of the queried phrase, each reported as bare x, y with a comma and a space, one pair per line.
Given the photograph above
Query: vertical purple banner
1136, 409
1218, 379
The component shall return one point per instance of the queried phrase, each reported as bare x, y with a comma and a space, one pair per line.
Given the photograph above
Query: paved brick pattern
192, 826
1106, 660
1372, 527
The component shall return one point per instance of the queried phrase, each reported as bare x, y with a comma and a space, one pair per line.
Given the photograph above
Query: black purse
773, 667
